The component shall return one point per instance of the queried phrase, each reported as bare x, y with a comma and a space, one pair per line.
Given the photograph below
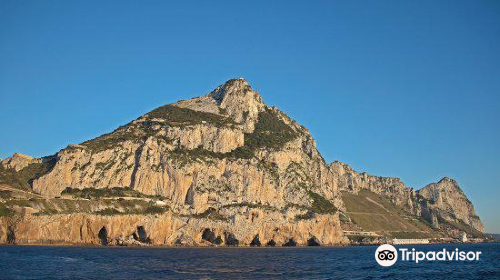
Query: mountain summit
223, 168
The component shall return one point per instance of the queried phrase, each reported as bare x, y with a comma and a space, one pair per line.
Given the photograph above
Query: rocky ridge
220, 169
443, 201
217, 155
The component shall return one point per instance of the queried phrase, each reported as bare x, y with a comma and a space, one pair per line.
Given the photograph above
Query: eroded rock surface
220, 169
446, 201
443, 201
18, 161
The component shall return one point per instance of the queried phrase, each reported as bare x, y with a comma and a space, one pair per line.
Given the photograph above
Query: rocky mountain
223, 168
444, 205
18, 162
224, 163
444, 201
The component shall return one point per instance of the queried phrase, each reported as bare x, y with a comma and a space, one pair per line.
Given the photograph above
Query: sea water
356, 262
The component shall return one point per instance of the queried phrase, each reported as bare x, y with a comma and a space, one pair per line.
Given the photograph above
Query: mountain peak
237, 98
447, 179
238, 88
18, 161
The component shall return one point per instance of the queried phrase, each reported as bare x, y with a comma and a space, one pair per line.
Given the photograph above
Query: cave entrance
255, 241
290, 243
271, 243
142, 236
209, 236
11, 236
313, 242
231, 239
103, 236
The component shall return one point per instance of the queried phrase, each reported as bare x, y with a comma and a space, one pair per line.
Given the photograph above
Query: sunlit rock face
172, 230
223, 169
18, 161
446, 201
226, 153
443, 201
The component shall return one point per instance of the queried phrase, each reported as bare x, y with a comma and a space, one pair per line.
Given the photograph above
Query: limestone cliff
18, 161
446, 201
390, 187
225, 150
243, 151
443, 201
220, 169
250, 227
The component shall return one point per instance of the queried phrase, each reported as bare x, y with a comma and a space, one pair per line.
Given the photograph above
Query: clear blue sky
395, 88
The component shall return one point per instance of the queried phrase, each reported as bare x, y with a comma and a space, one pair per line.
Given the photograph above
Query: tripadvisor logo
387, 255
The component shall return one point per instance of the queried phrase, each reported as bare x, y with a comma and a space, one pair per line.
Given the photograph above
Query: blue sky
396, 88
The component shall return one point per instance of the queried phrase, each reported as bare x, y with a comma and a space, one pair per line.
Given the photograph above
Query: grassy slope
375, 213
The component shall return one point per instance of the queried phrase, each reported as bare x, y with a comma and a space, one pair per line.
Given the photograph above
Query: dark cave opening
11, 236
142, 235
209, 236
103, 236
255, 241
231, 239
290, 243
271, 243
313, 242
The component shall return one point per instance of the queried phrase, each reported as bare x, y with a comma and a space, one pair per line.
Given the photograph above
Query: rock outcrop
224, 150
446, 201
390, 187
268, 228
220, 155
18, 162
220, 169
442, 201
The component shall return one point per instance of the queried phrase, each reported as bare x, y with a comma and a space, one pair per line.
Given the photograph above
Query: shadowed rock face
103, 236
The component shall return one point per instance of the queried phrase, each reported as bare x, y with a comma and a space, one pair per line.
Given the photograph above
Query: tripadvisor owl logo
386, 255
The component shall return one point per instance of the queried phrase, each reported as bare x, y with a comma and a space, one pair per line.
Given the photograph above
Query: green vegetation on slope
23, 178
321, 205
149, 210
170, 115
113, 139
270, 133
376, 213
105, 192
4, 211
96, 206
462, 227
177, 116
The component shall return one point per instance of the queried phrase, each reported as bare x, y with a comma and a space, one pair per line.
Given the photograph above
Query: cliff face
393, 188
226, 147
446, 201
224, 150
251, 227
443, 201
220, 169
18, 161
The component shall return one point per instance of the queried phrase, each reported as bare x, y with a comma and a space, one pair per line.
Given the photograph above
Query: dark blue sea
60, 262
